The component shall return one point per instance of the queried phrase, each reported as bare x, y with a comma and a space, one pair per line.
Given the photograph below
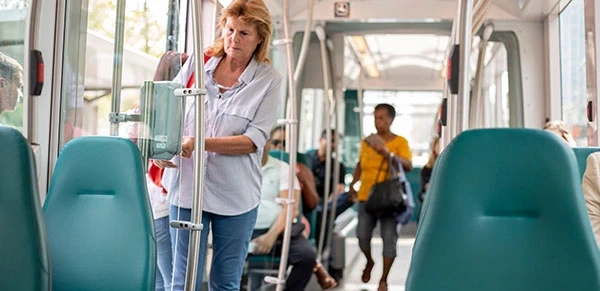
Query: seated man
270, 225
316, 160
591, 192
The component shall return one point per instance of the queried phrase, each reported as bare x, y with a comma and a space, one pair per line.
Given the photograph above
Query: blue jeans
231, 237
164, 257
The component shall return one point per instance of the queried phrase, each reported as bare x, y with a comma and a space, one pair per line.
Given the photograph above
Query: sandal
366, 275
324, 279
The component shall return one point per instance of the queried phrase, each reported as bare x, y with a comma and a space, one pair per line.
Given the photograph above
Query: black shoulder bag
389, 196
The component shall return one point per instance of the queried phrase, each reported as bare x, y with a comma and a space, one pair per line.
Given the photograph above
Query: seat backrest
505, 212
99, 220
581, 155
285, 156
24, 261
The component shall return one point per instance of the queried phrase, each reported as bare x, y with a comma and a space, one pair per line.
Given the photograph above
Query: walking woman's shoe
366, 275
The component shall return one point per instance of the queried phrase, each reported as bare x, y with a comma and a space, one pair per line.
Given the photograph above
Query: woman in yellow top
375, 149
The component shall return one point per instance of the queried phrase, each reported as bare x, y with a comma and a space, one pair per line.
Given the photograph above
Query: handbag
387, 197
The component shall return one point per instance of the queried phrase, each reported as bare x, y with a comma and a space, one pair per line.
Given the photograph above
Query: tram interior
382, 51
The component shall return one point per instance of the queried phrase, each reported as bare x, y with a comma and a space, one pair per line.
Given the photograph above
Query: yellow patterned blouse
370, 161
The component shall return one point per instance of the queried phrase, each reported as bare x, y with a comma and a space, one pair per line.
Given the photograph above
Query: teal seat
99, 221
505, 212
24, 263
581, 155
414, 178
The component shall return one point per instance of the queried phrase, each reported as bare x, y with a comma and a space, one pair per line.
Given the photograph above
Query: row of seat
95, 230
505, 211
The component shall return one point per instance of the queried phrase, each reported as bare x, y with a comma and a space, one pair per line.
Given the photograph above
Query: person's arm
265, 242
591, 192
339, 189
226, 145
310, 197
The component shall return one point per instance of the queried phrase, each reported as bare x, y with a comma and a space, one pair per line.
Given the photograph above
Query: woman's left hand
187, 146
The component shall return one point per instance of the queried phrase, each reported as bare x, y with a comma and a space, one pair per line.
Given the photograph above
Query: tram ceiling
437, 10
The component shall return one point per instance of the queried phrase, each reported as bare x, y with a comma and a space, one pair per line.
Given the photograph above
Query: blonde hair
560, 127
432, 154
557, 125
249, 11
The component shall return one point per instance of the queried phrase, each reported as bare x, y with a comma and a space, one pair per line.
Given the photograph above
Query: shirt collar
245, 77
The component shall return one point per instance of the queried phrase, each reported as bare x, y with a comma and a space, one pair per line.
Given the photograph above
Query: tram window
572, 66
88, 59
12, 36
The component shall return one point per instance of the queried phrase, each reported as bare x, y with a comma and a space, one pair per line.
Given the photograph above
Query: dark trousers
301, 256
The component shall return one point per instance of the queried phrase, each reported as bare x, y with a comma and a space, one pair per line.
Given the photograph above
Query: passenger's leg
390, 238
164, 254
364, 232
255, 280
302, 257
343, 203
231, 236
179, 242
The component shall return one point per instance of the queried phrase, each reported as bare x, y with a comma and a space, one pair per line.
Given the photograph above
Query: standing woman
375, 150
241, 105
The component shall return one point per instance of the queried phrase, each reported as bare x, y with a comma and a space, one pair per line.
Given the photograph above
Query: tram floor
355, 263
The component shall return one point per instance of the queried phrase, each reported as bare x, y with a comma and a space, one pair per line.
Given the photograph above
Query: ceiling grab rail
476, 110
117, 69
305, 43
291, 125
479, 11
328, 115
464, 37
198, 90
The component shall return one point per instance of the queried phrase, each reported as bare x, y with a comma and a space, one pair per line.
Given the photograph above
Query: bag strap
378, 171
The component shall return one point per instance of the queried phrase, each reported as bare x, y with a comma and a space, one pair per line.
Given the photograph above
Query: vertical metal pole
148, 119
292, 129
29, 101
361, 106
336, 178
172, 26
464, 31
196, 217
328, 113
117, 66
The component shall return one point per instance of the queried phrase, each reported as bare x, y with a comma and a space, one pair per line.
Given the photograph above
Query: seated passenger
270, 224
316, 161
591, 192
560, 129
308, 189
428, 168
